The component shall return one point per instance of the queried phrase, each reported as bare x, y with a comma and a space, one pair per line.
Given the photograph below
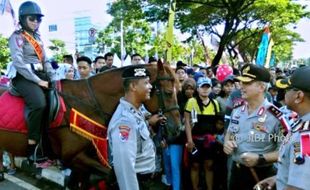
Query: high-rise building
85, 35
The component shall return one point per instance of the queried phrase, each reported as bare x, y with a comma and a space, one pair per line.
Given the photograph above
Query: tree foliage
58, 49
4, 52
140, 35
236, 23
248, 17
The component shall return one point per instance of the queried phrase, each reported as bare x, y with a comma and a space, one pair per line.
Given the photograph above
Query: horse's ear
160, 65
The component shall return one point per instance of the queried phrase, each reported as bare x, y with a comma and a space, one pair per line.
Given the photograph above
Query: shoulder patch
19, 41
238, 104
124, 132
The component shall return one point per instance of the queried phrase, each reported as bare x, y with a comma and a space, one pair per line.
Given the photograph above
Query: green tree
136, 31
236, 17
138, 34
58, 49
4, 52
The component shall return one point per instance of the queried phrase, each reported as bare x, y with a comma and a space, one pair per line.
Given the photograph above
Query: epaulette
238, 104
275, 111
301, 127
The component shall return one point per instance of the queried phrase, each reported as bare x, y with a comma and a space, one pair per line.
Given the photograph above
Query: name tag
235, 121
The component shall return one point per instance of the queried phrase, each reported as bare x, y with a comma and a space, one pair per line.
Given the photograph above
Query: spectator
98, 64
136, 59
108, 57
84, 67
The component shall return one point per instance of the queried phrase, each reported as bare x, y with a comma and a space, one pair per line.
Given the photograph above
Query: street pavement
22, 181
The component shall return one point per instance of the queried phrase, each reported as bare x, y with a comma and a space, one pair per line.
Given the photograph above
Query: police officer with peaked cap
248, 138
132, 149
293, 162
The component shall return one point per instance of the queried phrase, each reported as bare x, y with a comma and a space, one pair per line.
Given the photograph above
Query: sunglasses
32, 18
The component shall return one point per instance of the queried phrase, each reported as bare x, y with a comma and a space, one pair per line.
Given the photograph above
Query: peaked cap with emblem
135, 72
300, 79
251, 72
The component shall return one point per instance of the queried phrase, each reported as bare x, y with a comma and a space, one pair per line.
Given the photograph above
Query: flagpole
122, 43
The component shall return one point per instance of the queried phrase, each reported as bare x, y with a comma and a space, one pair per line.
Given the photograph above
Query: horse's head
163, 96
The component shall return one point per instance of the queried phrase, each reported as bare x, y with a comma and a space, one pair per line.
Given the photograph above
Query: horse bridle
161, 94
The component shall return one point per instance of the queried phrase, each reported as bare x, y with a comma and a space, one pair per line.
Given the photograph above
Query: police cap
300, 79
135, 72
251, 72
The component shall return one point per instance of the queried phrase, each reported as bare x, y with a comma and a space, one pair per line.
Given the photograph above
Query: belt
144, 177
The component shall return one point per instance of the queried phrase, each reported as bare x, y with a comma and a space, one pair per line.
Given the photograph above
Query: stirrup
36, 159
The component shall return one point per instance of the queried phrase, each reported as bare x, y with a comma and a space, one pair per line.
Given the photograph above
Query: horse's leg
83, 166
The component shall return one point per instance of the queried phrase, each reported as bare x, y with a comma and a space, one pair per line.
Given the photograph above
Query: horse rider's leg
35, 100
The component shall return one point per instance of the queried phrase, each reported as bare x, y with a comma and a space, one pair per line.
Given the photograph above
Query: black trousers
242, 177
35, 100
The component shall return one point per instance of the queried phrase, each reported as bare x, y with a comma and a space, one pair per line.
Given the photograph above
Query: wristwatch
261, 160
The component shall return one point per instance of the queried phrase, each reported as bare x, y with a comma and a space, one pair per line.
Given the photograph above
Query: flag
269, 53
272, 62
262, 49
169, 34
5, 6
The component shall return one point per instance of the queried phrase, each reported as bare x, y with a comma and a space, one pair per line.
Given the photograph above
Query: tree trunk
218, 55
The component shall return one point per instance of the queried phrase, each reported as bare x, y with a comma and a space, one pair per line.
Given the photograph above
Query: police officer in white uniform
294, 161
251, 135
132, 149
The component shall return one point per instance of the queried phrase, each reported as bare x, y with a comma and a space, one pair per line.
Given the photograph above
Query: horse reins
161, 95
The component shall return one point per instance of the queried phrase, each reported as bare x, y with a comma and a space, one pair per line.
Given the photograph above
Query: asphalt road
23, 181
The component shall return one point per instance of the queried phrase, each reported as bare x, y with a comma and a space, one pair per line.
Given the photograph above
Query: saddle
13, 106
53, 101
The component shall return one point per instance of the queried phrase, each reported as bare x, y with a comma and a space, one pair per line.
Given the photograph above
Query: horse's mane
168, 69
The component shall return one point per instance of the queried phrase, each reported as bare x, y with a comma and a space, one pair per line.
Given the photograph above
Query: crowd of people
232, 134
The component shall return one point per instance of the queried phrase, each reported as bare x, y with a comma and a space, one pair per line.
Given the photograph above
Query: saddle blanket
12, 116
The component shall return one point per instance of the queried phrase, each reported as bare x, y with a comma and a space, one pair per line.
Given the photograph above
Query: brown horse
98, 97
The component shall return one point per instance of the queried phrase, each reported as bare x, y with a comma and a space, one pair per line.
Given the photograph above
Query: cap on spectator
300, 79
181, 64
229, 78
251, 72
204, 81
135, 72
198, 75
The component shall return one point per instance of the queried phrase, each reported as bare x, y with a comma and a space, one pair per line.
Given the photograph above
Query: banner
169, 34
272, 62
262, 49
269, 53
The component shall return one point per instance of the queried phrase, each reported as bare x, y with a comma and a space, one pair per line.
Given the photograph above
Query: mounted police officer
33, 71
132, 149
294, 161
249, 135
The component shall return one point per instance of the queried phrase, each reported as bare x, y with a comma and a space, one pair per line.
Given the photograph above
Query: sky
62, 12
